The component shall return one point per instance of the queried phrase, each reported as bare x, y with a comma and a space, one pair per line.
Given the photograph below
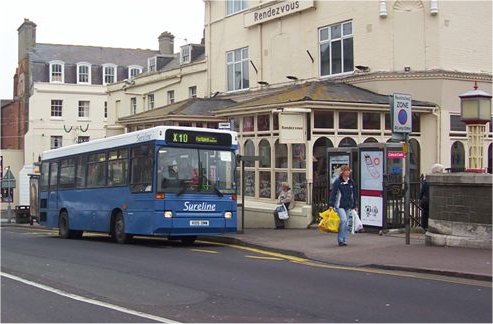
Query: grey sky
111, 23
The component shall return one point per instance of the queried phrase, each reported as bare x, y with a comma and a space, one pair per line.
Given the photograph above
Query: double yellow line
280, 256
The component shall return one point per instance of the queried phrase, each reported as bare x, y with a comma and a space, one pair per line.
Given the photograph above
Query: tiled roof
189, 107
320, 91
97, 55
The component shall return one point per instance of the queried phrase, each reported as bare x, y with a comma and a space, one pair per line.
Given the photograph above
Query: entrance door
320, 177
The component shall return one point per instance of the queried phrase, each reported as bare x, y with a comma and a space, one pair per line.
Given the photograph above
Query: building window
299, 186
151, 64
456, 124
192, 92
185, 54
133, 106
171, 97
264, 152
347, 142
388, 126
56, 71
55, 142
233, 6
56, 108
237, 67
371, 120
416, 122
336, 49
457, 156
281, 155
264, 184
263, 123
82, 139
348, 120
105, 109
134, 70
249, 151
109, 73
324, 119
83, 73
150, 101
248, 124
298, 156
83, 109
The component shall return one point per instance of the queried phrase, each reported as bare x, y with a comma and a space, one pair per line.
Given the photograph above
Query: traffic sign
8, 181
401, 113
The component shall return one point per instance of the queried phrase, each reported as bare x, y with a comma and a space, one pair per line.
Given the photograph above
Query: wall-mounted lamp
407, 68
383, 9
362, 68
129, 82
292, 77
434, 7
264, 83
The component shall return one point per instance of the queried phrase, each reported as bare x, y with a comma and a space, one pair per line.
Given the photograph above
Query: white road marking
88, 300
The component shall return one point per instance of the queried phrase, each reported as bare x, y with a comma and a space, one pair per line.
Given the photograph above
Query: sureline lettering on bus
188, 206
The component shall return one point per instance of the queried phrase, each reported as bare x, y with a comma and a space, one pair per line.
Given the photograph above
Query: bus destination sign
187, 137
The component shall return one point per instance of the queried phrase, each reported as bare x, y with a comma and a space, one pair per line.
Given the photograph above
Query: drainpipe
437, 112
208, 50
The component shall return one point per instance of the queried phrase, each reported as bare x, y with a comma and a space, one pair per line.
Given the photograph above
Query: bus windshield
187, 170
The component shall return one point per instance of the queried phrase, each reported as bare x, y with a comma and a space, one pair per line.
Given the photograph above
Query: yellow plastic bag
330, 221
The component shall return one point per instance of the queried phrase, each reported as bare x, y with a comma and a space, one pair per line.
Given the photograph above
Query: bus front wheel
64, 230
119, 235
188, 240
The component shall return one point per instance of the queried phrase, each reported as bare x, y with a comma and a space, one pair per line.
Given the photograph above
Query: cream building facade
432, 50
179, 80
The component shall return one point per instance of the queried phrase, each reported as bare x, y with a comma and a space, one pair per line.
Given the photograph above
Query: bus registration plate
199, 223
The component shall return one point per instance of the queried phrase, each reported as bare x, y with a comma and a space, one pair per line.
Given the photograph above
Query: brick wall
461, 197
12, 122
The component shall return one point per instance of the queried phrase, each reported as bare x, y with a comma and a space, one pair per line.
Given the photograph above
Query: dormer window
109, 73
152, 64
185, 54
57, 74
134, 70
83, 73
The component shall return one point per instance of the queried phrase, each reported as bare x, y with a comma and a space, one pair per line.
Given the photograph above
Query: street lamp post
9, 197
475, 112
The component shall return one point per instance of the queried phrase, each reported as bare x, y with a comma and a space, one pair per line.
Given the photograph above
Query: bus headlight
168, 214
228, 215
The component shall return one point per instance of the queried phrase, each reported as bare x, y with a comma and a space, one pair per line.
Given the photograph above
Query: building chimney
166, 43
26, 38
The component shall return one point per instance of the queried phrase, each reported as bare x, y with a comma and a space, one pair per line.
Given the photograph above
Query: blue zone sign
401, 113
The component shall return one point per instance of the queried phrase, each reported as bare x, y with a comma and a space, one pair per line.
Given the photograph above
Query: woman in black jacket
343, 198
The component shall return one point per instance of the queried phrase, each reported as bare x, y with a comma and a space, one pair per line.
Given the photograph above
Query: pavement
385, 251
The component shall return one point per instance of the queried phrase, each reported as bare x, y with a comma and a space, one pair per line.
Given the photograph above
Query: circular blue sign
402, 117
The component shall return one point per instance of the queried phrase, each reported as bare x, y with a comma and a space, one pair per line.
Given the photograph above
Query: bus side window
45, 172
81, 171
141, 169
53, 175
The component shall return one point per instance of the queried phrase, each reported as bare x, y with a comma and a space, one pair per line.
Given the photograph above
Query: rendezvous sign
401, 113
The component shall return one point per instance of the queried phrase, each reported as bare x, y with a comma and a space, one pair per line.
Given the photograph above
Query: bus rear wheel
118, 234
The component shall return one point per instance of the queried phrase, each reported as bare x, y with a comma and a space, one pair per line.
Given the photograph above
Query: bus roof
145, 135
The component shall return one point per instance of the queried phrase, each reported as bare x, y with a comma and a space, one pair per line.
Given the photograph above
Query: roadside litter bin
22, 214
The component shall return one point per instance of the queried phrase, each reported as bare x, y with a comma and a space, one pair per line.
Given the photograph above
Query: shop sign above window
277, 10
